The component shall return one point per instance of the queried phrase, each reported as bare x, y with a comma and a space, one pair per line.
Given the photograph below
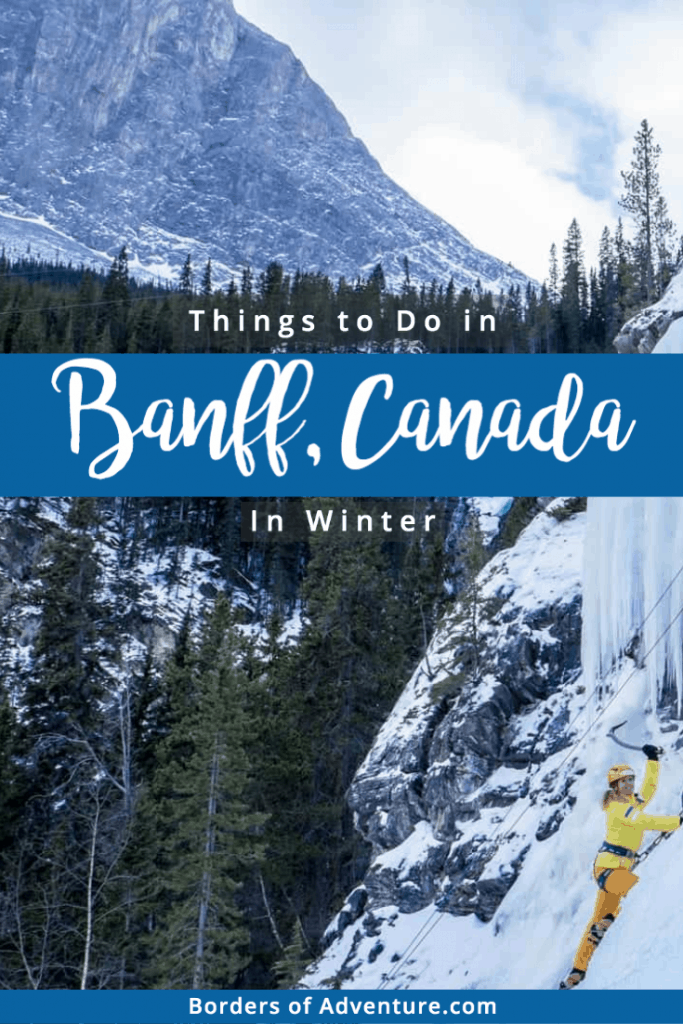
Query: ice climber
626, 823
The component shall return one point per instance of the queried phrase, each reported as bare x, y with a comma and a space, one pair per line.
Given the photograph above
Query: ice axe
622, 743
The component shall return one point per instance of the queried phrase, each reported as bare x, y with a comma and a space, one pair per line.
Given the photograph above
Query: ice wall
633, 591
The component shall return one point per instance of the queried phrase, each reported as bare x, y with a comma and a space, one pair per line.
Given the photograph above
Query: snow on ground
671, 343
183, 579
490, 511
411, 851
546, 562
531, 940
673, 296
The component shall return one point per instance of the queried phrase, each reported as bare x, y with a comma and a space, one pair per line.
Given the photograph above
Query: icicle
633, 551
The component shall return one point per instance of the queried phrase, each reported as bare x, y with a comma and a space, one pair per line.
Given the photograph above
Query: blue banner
354, 1006
341, 425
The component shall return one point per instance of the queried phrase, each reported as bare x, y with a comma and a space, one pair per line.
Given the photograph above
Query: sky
507, 120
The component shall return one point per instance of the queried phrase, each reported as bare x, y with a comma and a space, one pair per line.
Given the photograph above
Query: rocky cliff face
181, 127
646, 329
472, 746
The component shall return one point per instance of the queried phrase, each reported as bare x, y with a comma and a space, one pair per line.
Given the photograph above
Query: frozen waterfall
633, 591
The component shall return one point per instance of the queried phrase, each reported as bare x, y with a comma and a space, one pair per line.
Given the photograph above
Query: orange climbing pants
617, 884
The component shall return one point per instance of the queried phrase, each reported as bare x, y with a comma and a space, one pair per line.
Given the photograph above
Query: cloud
634, 70
507, 120
517, 215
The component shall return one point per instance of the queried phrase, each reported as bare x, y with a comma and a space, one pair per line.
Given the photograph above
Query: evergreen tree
469, 615
474, 559
70, 836
116, 303
376, 279
643, 199
67, 679
186, 280
207, 841
207, 286
545, 322
607, 291
554, 277
13, 788
83, 320
294, 960
626, 287
326, 698
574, 300
664, 246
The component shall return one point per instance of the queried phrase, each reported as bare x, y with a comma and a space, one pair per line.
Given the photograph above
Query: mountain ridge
201, 133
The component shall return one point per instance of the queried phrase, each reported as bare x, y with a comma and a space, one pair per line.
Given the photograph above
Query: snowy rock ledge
463, 753
640, 334
507, 822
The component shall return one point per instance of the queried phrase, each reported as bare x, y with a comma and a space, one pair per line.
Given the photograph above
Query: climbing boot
574, 978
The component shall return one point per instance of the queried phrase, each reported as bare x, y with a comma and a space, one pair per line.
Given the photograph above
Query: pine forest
182, 714
48, 307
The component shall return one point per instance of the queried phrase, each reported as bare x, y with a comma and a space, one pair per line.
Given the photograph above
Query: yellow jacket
626, 822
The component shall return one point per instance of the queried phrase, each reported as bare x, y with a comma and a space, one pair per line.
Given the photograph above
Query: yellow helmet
619, 771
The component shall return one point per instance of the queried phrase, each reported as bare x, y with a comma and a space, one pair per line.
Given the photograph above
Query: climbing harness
436, 915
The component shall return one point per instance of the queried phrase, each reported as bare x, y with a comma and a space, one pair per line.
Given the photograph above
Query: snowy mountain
482, 799
183, 128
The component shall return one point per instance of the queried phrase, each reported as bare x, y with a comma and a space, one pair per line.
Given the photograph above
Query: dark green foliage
520, 515
330, 695
468, 635
205, 835
67, 678
139, 802
68, 310
294, 960
115, 305
186, 281
13, 789
569, 508
369, 606
643, 199
69, 838
207, 284
574, 296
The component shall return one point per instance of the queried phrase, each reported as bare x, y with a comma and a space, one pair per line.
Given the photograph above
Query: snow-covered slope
177, 128
485, 814
152, 592
654, 326
671, 342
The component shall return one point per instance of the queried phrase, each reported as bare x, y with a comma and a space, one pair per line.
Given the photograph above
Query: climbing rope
436, 914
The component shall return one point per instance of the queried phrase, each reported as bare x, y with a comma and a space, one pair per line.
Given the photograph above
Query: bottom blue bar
352, 1006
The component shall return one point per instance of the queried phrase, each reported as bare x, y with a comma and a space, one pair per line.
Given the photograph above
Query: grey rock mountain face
176, 127
641, 333
455, 792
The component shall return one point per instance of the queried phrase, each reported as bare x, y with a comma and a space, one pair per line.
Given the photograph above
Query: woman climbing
626, 823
